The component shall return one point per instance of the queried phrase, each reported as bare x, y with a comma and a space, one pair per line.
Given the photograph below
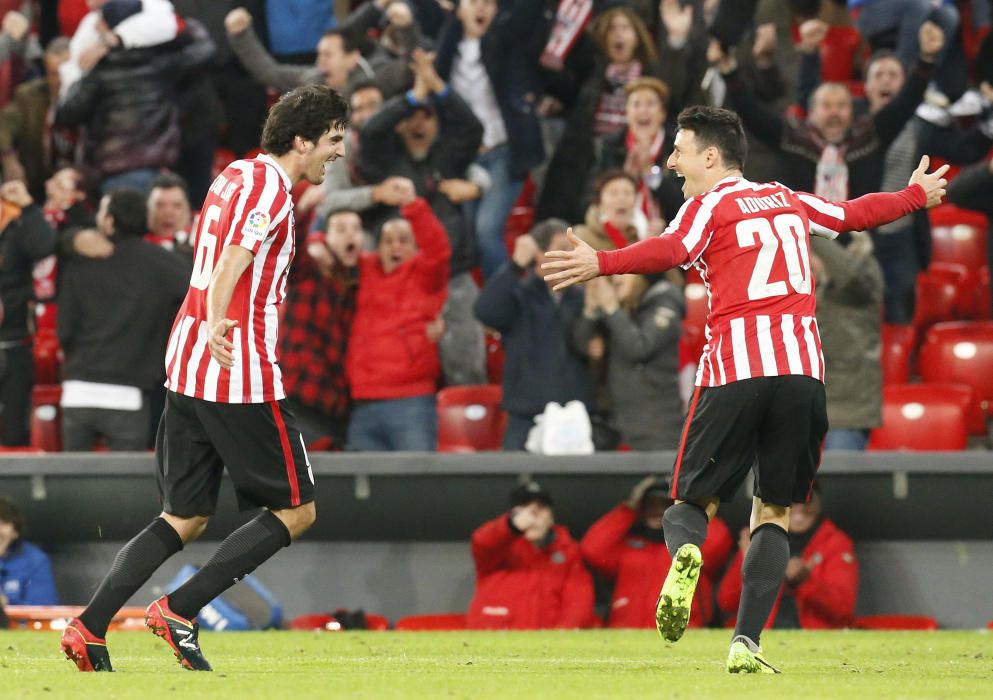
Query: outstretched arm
829, 219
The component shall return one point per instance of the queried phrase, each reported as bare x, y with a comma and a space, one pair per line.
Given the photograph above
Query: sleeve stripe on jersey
246, 189
826, 208
707, 205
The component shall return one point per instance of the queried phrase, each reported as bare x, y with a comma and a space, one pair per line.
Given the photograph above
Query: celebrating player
760, 394
225, 402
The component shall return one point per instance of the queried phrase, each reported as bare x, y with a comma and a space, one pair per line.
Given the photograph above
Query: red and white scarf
570, 20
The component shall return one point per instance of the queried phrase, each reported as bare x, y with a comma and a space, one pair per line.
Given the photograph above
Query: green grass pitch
519, 665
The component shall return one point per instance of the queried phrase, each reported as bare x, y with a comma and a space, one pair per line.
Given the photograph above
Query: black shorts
775, 425
258, 443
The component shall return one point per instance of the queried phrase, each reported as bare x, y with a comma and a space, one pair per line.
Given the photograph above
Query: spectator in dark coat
542, 362
849, 314
115, 314
641, 326
479, 56
529, 571
25, 238
431, 137
128, 105
25, 570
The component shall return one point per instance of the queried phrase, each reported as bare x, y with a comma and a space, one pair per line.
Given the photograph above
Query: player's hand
638, 492
237, 20
569, 267
218, 344
16, 25
525, 250
92, 244
459, 191
16, 192
930, 39
933, 183
812, 34
797, 570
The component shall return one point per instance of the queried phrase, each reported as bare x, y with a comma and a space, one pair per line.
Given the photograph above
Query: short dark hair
608, 176
168, 181
882, 55
127, 207
720, 128
350, 41
307, 112
10, 513
543, 231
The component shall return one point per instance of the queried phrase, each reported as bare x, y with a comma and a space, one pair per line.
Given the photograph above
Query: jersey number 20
786, 231
203, 261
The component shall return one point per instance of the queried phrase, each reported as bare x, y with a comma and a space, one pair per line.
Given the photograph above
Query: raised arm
829, 219
263, 68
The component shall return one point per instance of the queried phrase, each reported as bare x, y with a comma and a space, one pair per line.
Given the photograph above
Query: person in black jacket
25, 239
541, 362
479, 56
128, 106
431, 137
114, 318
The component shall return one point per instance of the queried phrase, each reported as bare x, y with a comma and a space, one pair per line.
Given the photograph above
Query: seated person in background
541, 362
640, 326
529, 571
392, 364
822, 576
25, 571
613, 219
320, 307
849, 288
627, 547
114, 318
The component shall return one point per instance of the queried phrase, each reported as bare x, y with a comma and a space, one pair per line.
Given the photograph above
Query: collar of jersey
287, 183
729, 179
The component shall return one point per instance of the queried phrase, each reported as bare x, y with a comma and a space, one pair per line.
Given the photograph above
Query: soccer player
224, 407
759, 398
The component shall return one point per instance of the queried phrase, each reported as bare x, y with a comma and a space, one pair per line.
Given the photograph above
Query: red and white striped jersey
248, 205
750, 242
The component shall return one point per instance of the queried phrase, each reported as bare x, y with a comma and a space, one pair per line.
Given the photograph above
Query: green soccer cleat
746, 657
672, 613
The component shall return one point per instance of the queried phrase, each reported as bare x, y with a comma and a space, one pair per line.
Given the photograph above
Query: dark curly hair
307, 112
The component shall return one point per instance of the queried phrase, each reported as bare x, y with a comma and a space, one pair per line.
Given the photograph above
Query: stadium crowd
480, 130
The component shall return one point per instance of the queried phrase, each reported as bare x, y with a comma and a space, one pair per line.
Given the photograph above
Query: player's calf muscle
299, 519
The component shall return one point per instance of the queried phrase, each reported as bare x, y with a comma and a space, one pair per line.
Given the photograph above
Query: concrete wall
951, 580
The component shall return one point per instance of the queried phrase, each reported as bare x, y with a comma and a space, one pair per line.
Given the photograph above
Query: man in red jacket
529, 572
627, 546
822, 576
392, 363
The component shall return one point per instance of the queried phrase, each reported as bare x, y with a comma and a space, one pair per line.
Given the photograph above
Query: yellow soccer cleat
672, 613
746, 657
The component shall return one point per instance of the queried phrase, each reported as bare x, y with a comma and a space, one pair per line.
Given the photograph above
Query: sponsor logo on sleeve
256, 225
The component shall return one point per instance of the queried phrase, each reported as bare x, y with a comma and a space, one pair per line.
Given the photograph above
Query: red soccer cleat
178, 632
84, 649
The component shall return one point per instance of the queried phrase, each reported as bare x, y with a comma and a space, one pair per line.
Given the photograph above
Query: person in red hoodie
392, 364
822, 576
529, 571
627, 547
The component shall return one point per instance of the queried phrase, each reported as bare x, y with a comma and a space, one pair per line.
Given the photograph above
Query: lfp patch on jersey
256, 224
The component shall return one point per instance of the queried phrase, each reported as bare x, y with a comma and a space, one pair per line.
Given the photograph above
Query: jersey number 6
786, 230
203, 261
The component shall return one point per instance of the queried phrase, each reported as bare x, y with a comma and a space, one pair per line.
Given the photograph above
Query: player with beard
759, 402
225, 405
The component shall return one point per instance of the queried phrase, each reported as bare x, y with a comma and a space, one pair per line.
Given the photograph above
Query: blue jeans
897, 256
393, 425
845, 439
140, 180
490, 213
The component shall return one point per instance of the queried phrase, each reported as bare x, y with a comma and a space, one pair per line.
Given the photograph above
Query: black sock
762, 574
134, 564
683, 523
239, 554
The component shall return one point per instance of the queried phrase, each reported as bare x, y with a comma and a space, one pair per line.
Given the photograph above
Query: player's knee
774, 514
188, 529
298, 520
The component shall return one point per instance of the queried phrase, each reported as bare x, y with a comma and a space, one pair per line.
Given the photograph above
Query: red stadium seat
962, 353
896, 622
958, 236
521, 217
46, 356
838, 53
21, 450
897, 346
470, 418
942, 294
441, 622
925, 417
494, 357
46, 417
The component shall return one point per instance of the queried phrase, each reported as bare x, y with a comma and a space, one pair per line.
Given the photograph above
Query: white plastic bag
561, 430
